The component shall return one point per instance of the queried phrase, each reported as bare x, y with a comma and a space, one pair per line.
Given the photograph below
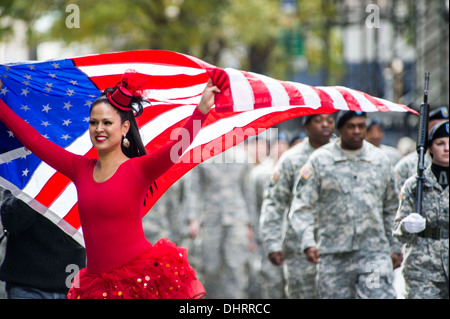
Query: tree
28, 12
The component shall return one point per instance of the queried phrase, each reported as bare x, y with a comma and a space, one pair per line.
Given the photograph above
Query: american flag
55, 98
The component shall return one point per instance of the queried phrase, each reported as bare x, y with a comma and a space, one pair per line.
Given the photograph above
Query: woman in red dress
121, 263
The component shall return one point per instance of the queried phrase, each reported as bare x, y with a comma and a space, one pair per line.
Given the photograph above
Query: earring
125, 142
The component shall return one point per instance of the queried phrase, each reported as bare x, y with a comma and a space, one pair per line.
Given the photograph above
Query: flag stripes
248, 104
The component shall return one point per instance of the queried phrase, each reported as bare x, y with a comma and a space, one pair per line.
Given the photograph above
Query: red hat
120, 98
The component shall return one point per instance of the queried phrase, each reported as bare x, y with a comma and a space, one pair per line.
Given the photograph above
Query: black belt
434, 233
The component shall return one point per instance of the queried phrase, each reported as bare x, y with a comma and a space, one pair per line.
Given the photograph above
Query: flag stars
27, 76
25, 92
46, 108
67, 122
46, 123
10, 134
48, 89
65, 137
55, 65
70, 92
25, 108
73, 82
52, 75
25, 172
4, 91
67, 105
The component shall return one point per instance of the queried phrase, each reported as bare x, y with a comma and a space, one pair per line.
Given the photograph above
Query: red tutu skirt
162, 272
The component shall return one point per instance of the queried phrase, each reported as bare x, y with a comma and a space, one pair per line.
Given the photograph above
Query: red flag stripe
261, 94
295, 96
352, 103
73, 218
145, 56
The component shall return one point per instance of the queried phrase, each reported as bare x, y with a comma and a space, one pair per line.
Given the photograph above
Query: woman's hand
207, 100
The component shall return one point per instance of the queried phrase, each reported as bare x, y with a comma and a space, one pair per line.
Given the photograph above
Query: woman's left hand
207, 100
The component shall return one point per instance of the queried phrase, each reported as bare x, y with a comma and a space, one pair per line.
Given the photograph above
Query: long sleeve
277, 199
151, 166
406, 207
303, 209
390, 206
49, 152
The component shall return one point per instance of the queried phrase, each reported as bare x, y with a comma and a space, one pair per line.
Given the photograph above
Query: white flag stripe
241, 91
391, 105
364, 103
309, 95
225, 125
65, 201
191, 92
41, 176
144, 68
277, 91
338, 100
44, 172
159, 124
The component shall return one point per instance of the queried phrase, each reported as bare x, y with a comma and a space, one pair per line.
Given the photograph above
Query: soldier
269, 282
283, 246
425, 267
349, 208
375, 135
407, 166
220, 223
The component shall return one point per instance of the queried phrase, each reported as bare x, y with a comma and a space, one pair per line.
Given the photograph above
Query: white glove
414, 223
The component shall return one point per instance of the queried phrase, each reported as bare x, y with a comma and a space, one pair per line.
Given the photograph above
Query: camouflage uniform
349, 203
166, 217
277, 235
270, 277
425, 267
392, 153
216, 199
407, 166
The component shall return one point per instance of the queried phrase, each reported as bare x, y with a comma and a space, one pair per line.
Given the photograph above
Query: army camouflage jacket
425, 257
346, 203
278, 195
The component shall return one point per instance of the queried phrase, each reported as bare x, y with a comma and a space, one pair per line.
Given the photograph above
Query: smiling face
106, 128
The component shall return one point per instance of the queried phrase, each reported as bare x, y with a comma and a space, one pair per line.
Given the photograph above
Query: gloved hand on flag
414, 223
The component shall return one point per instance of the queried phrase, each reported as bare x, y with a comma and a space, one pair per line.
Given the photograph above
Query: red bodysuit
111, 211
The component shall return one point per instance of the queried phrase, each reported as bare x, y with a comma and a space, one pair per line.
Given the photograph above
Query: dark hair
136, 147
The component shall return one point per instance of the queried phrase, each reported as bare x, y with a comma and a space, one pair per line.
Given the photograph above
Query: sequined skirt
162, 272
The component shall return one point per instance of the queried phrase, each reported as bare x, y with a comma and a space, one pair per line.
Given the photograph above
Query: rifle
422, 137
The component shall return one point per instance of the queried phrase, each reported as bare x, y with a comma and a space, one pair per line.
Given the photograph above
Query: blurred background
380, 47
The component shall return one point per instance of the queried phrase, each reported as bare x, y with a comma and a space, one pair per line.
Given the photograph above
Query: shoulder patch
397, 177
402, 192
275, 175
305, 172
